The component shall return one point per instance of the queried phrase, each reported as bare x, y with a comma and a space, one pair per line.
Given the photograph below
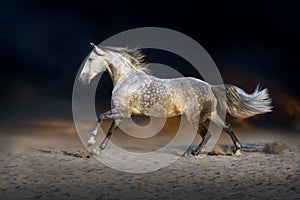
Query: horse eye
90, 59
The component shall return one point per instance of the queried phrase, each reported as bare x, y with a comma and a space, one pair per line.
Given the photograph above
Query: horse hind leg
234, 139
226, 127
205, 135
194, 119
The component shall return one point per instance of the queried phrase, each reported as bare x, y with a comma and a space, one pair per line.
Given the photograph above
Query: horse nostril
83, 78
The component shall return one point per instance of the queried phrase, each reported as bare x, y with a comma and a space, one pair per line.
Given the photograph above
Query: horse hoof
102, 146
237, 152
91, 141
195, 153
95, 152
94, 133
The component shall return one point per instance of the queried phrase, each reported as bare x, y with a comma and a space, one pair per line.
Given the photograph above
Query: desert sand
58, 167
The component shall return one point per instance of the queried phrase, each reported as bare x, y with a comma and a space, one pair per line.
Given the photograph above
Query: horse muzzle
84, 79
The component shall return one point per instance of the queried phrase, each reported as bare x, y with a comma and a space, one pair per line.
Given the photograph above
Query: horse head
95, 63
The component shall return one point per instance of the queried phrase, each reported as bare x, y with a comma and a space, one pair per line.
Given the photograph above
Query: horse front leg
94, 133
113, 127
111, 114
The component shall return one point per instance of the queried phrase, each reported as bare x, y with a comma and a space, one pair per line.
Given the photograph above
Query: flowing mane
135, 56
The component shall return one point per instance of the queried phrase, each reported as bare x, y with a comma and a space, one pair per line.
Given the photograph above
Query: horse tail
240, 104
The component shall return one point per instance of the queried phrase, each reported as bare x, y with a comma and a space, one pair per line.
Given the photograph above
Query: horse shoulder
128, 94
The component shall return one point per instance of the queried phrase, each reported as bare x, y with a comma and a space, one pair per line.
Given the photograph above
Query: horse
136, 92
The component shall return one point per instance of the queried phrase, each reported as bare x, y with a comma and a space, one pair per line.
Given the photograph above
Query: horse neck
119, 70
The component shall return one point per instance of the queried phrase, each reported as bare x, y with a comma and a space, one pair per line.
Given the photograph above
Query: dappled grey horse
137, 92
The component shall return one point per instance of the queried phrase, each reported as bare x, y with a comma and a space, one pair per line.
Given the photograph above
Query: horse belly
158, 109
158, 101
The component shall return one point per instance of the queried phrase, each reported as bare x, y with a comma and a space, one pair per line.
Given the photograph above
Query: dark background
43, 44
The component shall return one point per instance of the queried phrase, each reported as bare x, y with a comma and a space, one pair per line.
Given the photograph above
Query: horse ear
97, 50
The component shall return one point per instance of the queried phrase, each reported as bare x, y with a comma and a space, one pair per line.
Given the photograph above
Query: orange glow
289, 104
241, 122
292, 107
53, 126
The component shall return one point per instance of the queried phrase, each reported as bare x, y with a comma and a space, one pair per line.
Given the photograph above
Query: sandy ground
58, 167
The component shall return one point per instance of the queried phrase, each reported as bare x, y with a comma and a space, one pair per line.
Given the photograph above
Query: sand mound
267, 148
221, 150
274, 148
